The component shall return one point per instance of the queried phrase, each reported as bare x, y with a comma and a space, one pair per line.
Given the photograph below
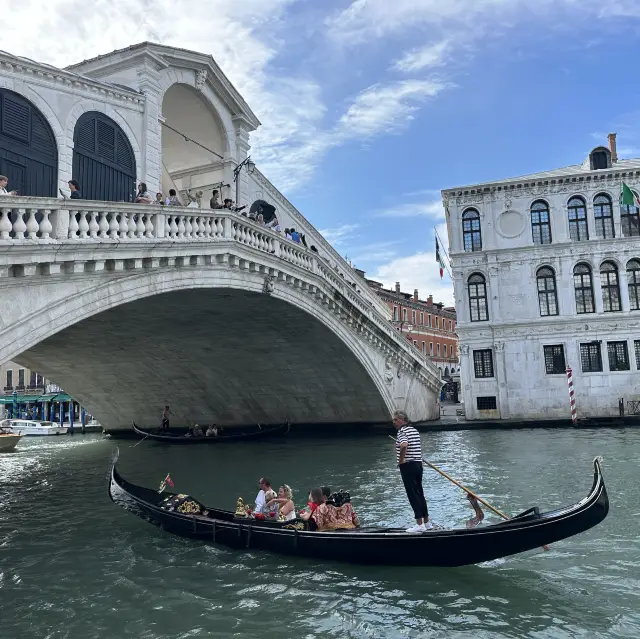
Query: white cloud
414, 209
364, 20
431, 55
386, 108
340, 235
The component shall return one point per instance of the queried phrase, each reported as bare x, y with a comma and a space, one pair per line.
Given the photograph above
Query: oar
467, 490
140, 442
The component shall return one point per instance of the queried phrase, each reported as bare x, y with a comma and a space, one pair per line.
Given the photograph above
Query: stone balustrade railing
38, 221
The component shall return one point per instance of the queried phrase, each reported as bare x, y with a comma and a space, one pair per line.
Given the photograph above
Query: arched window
583, 285
610, 287
478, 298
28, 150
633, 279
103, 160
547, 293
540, 222
472, 236
603, 213
630, 218
578, 229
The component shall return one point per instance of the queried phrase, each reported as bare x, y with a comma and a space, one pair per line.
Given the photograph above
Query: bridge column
71, 417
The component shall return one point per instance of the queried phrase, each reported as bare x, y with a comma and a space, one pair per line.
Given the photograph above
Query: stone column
624, 289
597, 289
494, 295
242, 151
150, 170
501, 378
466, 380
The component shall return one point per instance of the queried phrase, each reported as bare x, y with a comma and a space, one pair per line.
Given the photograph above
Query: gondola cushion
183, 504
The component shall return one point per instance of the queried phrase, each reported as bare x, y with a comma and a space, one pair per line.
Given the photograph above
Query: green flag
628, 197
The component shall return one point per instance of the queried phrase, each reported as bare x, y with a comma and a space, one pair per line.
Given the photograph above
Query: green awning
32, 399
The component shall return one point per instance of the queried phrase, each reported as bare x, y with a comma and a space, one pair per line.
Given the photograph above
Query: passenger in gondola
265, 486
270, 510
326, 493
316, 499
212, 431
284, 502
197, 431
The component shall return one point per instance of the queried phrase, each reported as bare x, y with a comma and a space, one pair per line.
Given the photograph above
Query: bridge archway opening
28, 149
195, 163
103, 160
222, 355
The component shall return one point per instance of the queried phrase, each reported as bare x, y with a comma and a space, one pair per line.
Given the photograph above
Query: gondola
281, 429
368, 545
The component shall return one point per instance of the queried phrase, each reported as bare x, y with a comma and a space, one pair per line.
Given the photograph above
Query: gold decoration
297, 526
241, 509
189, 507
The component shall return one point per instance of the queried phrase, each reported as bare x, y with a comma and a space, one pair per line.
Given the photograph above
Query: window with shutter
106, 136
16, 119
124, 157
86, 136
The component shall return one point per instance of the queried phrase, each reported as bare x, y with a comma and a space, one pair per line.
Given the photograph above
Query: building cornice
31, 72
561, 184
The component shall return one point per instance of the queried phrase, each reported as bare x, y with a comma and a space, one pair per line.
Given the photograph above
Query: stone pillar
597, 289
242, 194
501, 378
150, 170
466, 380
624, 288
71, 416
494, 295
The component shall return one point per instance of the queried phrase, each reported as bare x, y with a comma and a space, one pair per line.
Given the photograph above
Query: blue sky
370, 107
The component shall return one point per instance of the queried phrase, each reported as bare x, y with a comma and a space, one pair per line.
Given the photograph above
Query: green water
74, 565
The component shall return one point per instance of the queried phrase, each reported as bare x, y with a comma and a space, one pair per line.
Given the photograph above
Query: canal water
74, 565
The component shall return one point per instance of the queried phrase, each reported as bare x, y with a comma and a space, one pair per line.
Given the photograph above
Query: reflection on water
74, 565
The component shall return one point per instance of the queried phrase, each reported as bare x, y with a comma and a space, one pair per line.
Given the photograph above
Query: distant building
28, 395
547, 276
427, 324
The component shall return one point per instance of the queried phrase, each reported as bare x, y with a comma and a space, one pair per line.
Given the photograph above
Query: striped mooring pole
572, 397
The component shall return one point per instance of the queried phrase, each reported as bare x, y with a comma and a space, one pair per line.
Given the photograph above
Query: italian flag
439, 259
628, 197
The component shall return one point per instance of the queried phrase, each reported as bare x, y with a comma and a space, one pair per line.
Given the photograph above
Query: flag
164, 482
628, 197
439, 259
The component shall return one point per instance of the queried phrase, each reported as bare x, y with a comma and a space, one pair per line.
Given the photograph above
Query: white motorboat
32, 427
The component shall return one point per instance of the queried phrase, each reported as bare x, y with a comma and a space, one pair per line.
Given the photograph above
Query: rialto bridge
129, 307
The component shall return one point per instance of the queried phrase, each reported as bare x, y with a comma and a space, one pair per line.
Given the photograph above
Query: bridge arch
211, 344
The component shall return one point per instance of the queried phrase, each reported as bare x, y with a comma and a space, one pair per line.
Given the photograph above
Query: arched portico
197, 163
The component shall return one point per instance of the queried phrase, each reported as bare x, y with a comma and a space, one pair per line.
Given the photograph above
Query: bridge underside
217, 355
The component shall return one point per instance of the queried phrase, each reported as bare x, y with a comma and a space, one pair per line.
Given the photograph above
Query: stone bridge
130, 307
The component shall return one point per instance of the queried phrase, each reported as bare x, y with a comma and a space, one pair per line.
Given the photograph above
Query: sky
370, 107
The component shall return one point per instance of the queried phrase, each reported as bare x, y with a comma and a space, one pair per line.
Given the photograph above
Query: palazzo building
547, 276
427, 324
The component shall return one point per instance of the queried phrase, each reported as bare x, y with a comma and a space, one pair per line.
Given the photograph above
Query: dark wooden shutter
16, 119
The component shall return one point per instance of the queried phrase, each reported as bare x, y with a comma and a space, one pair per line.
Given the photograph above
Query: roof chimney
430, 300
612, 147
397, 287
415, 294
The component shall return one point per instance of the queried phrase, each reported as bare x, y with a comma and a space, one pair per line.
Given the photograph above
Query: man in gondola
166, 413
409, 460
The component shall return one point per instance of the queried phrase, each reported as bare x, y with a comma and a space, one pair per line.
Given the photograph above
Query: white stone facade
528, 309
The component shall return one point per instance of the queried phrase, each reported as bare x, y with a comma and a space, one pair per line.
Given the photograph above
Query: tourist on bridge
172, 200
409, 459
143, 196
4, 181
214, 202
74, 187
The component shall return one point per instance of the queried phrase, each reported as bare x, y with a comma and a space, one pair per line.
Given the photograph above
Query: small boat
32, 427
367, 545
233, 436
8, 441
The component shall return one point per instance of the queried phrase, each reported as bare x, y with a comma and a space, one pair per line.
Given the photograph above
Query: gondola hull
221, 439
380, 546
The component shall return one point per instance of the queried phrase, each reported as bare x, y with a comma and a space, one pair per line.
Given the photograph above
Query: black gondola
389, 546
281, 429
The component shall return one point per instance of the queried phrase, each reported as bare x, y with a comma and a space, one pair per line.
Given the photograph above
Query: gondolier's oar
466, 490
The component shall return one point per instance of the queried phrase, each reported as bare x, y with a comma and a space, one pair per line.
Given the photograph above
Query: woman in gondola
316, 498
286, 507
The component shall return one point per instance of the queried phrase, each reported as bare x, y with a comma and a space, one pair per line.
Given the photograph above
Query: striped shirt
410, 436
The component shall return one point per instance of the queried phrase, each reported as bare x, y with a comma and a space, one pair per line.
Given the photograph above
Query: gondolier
409, 460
